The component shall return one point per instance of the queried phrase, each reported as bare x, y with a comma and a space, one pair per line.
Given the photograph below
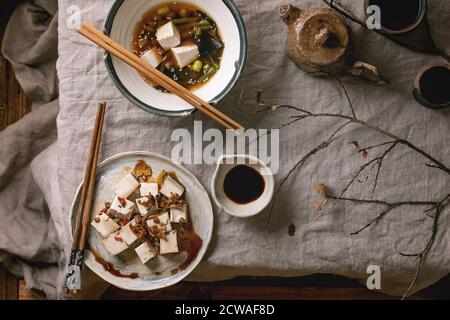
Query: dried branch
389, 207
307, 115
437, 208
302, 162
347, 96
377, 162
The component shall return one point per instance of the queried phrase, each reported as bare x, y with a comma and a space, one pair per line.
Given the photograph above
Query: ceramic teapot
319, 41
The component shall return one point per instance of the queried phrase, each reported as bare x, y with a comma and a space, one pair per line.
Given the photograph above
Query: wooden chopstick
87, 175
159, 74
156, 76
73, 277
91, 189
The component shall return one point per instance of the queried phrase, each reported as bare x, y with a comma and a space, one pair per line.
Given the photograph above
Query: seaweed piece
208, 43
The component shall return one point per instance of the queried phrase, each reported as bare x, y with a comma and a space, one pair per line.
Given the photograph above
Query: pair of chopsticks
156, 76
73, 277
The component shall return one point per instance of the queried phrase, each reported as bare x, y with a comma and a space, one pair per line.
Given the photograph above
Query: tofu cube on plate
168, 36
122, 208
172, 187
152, 57
159, 224
184, 55
105, 225
143, 205
127, 186
146, 252
114, 244
127, 234
170, 244
179, 214
149, 188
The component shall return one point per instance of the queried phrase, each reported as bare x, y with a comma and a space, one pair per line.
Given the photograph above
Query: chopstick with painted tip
157, 77
73, 276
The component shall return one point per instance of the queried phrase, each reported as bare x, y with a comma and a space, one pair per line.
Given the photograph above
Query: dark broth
398, 14
244, 185
198, 29
435, 85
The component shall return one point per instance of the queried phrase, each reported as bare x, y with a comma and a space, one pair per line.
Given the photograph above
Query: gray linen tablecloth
250, 247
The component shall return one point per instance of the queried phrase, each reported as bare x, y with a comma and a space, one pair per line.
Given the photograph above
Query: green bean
214, 63
184, 20
197, 66
197, 31
206, 67
212, 71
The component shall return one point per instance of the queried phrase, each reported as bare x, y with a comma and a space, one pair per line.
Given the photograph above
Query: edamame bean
163, 11
197, 65
184, 13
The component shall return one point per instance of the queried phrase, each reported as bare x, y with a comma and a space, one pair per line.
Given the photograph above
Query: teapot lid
324, 38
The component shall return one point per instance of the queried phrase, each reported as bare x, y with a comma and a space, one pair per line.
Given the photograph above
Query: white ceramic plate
120, 24
157, 273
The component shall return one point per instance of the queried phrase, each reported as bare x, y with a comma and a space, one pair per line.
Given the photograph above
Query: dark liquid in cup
398, 14
244, 184
435, 85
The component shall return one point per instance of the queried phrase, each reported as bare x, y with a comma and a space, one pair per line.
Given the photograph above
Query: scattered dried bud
291, 230
320, 188
118, 238
259, 95
97, 220
355, 143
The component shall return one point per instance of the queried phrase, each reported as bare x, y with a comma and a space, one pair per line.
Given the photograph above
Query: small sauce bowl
224, 165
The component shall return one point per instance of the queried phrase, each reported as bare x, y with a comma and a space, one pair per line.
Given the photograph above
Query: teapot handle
368, 73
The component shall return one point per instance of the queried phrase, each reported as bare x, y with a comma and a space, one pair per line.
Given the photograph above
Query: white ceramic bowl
120, 24
157, 273
224, 165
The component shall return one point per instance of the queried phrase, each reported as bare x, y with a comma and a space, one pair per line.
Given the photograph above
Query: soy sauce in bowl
243, 185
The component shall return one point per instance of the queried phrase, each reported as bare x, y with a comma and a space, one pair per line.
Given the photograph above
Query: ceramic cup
227, 163
413, 14
431, 86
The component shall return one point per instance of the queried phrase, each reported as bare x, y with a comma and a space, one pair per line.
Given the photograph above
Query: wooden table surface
14, 105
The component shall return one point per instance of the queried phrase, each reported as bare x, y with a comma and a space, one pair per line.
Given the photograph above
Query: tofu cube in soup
172, 187
159, 224
152, 57
149, 188
184, 55
179, 214
105, 225
127, 186
122, 208
168, 36
114, 244
128, 233
146, 252
170, 244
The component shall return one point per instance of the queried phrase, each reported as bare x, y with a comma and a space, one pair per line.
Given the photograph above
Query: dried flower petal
320, 188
